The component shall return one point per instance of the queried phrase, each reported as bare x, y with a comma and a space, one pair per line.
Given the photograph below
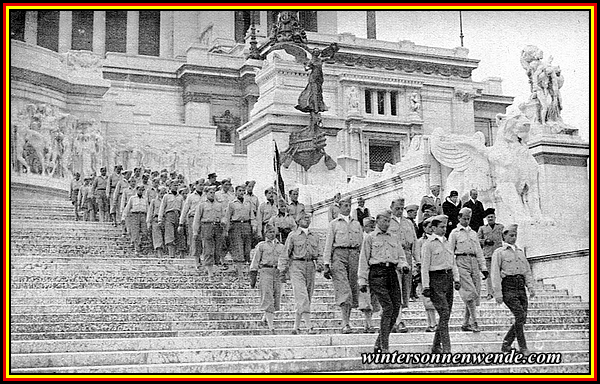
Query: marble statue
505, 174
545, 101
415, 102
353, 99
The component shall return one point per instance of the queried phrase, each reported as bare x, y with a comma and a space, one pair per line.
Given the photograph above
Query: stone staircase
81, 302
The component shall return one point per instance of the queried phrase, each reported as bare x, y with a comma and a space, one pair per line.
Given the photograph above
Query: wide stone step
280, 323
266, 341
252, 314
571, 360
540, 369
248, 332
187, 355
133, 306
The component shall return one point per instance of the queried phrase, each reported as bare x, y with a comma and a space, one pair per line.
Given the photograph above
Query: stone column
133, 32
65, 30
99, 38
166, 33
31, 27
197, 109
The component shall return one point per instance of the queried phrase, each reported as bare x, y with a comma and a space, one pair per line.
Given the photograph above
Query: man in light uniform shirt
490, 239
187, 219
511, 273
266, 210
464, 244
380, 257
135, 212
342, 250
439, 275
207, 225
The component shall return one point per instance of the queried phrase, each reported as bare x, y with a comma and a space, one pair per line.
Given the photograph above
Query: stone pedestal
350, 146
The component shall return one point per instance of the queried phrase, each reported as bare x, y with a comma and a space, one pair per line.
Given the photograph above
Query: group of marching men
374, 263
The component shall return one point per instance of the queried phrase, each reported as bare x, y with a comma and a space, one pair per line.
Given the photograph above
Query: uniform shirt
151, 193
225, 197
488, 233
334, 211
119, 188
435, 256
342, 233
267, 254
153, 209
295, 208
74, 190
207, 212
283, 222
418, 256
379, 247
136, 204
265, 211
127, 193
189, 207
170, 203
509, 261
113, 180
253, 202
238, 211
404, 230
465, 240
85, 193
301, 243
100, 183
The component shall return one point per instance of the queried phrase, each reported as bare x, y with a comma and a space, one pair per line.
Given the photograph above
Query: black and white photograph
348, 192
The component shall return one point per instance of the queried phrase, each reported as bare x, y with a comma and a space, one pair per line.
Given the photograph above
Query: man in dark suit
477, 211
451, 207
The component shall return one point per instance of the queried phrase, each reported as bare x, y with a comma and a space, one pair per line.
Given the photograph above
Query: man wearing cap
401, 228
432, 199
113, 181
342, 250
451, 207
188, 211
367, 301
361, 212
511, 273
168, 215
477, 210
301, 258
428, 211
251, 197
440, 275
464, 243
212, 180
381, 256
295, 207
207, 225
99, 189
85, 199
418, 275
127, 194
74, 193
135, 213
239, 220
334, 209
152, 221
411, 215
226, 194
266, 210
490, 239
283, 222
116, 204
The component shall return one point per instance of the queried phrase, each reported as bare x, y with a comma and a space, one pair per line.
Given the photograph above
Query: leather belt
268, 266
240, 221
442, 271
466, 254
384, 265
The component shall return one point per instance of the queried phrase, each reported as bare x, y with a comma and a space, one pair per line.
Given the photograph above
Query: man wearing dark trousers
381, 254
511, 273
440, 274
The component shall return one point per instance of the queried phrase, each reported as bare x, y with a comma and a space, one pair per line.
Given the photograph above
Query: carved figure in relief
415, 102
353, 102
506, 172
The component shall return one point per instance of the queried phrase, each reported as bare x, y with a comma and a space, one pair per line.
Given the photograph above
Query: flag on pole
279, 186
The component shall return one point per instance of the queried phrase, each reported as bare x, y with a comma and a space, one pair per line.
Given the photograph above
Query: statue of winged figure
505, 174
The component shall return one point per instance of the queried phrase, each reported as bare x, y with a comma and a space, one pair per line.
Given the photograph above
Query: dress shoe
526, 352
430, 329
369, 330
394, 329
295, 331
312, 331
402, 328
475, 328
346, 330
506, 348
466, 328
